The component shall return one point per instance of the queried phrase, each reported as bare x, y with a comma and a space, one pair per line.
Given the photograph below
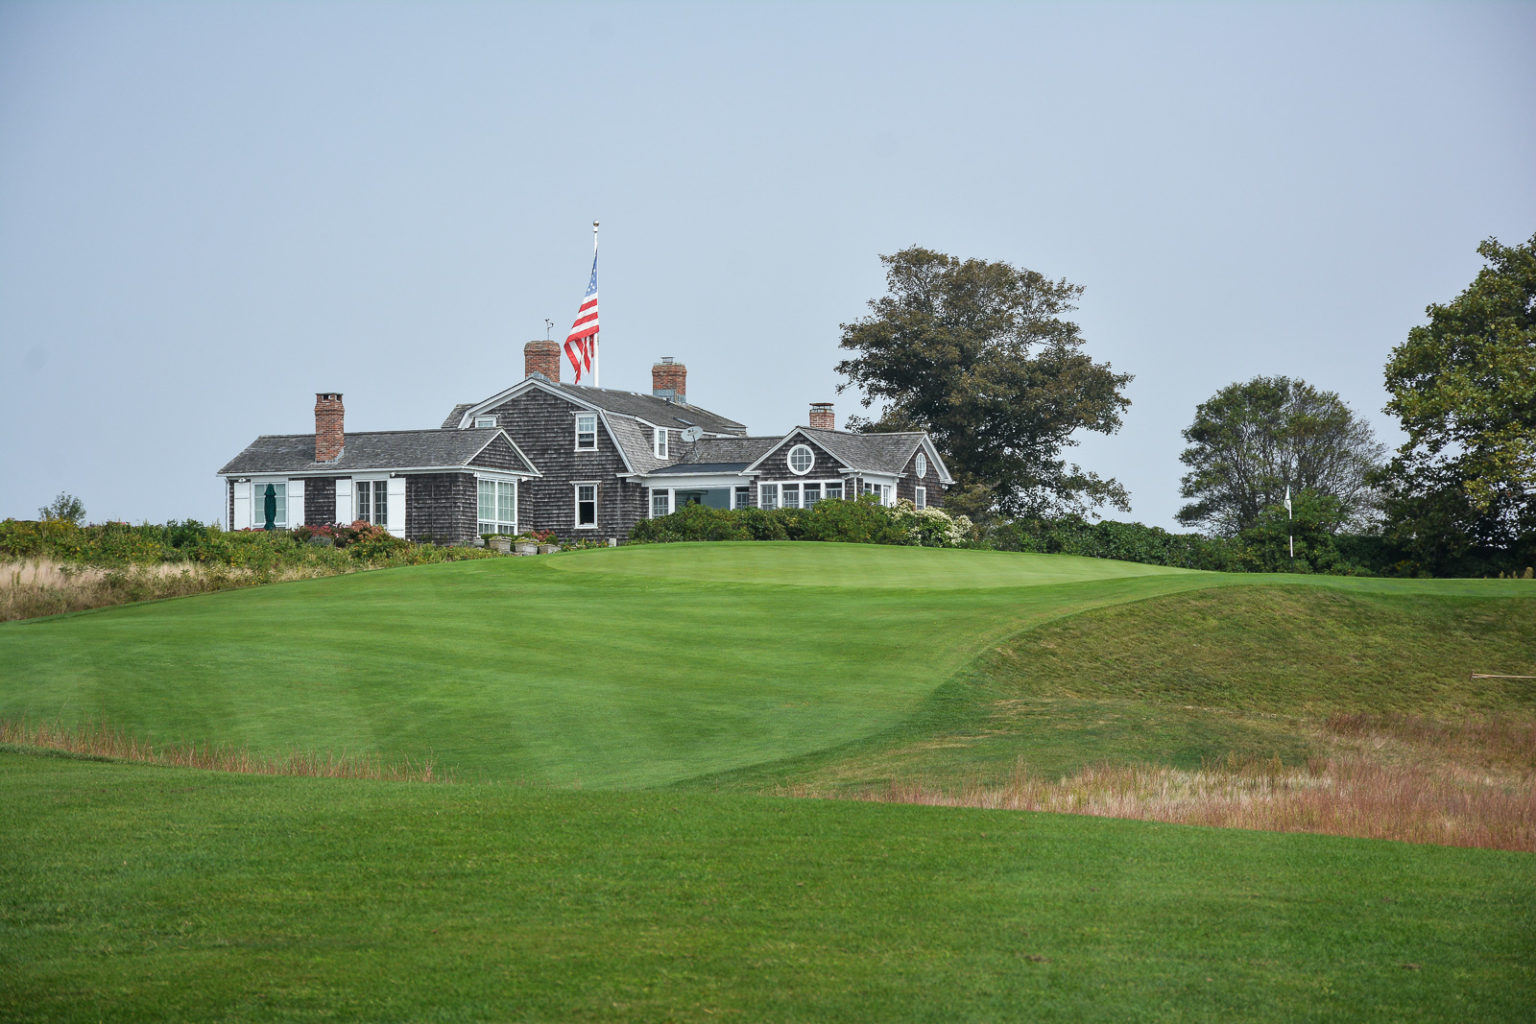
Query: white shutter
344, 500
242, 520
295, 503
396, 511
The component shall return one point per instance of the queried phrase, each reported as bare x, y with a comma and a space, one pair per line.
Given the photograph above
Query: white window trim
381, 479
651, 506
659, 443
920, 497
255, 516
776, 492
789, 459
921, 465
485, 421
579, 432
886, 492
516, 500
576, 486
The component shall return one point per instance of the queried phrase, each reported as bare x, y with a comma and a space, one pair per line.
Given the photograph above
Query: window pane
506, 504
768, 496
360, 505
791, 493
658, 504
921, 499
812, 494
487, 501
743, 497
835, 490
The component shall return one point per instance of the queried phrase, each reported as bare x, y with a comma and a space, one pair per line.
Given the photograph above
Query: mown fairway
133, 893
686, 680
627, 668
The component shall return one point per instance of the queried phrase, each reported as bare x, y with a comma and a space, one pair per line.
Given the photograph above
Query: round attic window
922, 464
801, 459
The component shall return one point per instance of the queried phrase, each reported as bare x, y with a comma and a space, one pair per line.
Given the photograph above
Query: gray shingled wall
442, 508
498, 455
907, 486
775, 467
319, 500
544, 427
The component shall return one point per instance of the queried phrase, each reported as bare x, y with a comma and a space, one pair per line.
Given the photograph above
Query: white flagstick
1289, 517
597, 379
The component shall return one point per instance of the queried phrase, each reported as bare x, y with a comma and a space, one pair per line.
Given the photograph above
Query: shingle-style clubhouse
581, 462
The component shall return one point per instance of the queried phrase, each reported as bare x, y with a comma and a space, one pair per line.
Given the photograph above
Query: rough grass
37, 587
1348, 712
103, 741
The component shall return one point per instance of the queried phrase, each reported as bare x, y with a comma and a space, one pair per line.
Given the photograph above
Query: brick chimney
330, 436
542, 356
669, 379
822, 416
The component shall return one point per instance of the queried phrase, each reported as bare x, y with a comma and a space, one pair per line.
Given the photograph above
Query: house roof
368, 451
635, 441
865, 453
658, 411
739, 451
880, 453
699, 468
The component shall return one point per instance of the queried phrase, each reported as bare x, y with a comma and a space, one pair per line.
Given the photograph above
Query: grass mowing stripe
144, 894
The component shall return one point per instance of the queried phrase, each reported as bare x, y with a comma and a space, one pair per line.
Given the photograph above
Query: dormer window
485, 421
660, 443
586, 432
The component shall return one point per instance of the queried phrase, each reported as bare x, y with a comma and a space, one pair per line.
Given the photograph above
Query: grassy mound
633, 667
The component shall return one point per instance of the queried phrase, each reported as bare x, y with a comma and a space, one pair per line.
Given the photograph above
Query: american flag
581, 343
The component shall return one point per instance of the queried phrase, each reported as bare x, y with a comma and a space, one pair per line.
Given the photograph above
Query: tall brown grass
1383, 777
104, 741
37, 587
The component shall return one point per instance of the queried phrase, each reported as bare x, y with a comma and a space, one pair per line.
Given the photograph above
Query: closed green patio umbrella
269, 507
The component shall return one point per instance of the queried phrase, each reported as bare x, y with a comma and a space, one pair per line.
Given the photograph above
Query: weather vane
548, 325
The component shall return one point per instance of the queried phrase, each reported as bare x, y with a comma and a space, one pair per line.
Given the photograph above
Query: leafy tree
1462, 488
66, 508
981, 356
1252, 441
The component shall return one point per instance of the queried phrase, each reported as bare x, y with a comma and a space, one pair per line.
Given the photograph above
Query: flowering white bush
931, 527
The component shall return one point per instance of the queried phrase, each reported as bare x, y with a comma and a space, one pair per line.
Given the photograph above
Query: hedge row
118, 544
864, 521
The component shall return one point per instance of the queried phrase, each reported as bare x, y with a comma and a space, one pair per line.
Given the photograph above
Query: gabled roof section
372, 451
659, 411
635, 442
867, 453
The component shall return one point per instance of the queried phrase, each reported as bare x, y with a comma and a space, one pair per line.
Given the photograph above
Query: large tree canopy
981, 356
1463, 486
1252, 442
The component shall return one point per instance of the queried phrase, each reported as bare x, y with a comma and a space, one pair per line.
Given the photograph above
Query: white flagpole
597, 378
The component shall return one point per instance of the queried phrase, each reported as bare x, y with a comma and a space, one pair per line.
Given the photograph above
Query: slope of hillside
604, 668
645, 665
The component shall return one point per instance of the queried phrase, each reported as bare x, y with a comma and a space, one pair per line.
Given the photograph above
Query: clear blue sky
209, 212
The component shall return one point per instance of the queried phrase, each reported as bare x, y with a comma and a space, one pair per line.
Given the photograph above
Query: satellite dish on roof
692, 434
